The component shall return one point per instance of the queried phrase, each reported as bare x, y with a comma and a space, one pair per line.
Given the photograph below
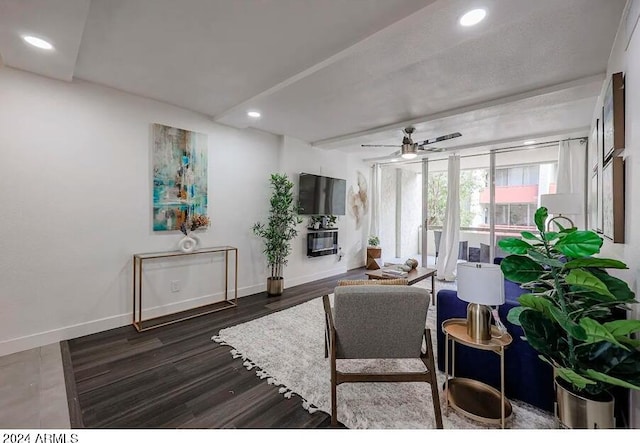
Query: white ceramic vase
188, 243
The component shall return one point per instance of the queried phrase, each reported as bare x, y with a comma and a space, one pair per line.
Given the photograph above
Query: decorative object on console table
613, 117
279, 230
194, 222
613, 212
573, 316
482, 285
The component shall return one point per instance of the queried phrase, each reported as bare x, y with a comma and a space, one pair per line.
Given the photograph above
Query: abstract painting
607, 200
613, 116
613, 200
179, 176
594, 209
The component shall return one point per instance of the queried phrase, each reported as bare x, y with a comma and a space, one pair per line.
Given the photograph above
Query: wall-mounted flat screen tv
320, 195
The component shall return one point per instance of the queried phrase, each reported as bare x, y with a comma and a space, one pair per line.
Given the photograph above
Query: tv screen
319, 195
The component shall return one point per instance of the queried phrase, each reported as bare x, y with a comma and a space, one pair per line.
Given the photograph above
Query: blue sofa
527, 378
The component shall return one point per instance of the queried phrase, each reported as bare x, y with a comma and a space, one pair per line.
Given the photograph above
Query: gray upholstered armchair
374, 322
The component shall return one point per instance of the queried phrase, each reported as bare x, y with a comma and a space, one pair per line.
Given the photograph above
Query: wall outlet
175, 285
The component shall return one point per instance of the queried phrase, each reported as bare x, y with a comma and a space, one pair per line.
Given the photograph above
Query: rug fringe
262, 374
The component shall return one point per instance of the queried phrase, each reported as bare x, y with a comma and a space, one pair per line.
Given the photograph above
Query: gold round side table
472, 398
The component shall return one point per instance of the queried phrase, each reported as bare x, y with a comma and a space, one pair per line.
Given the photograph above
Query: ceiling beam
583, 81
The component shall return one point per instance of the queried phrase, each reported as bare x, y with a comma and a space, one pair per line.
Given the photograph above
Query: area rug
287, 350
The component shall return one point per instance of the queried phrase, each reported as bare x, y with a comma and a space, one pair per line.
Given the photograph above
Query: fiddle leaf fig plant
573, 313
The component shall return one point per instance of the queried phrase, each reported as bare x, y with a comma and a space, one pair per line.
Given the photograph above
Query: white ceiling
336, 73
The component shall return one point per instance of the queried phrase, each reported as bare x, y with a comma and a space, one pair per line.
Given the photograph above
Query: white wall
627, 59
75, 186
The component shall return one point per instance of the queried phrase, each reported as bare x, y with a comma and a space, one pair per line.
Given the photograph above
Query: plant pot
275, 286
583, 411
374, 254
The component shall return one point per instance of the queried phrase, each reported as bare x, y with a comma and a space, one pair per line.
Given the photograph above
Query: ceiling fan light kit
409, 149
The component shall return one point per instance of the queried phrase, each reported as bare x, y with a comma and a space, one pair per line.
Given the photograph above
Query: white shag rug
287, 349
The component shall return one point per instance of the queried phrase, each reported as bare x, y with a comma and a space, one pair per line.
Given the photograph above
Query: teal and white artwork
179, 176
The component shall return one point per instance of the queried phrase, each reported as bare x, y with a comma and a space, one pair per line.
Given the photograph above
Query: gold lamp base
479, 322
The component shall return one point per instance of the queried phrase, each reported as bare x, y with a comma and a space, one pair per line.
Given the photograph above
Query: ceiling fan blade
380, 146
439, 139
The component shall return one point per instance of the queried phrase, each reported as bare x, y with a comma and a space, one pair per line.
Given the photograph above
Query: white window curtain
376, 177
572, 157
449, 242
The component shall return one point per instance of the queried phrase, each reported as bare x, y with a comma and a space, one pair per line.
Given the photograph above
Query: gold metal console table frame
163, 320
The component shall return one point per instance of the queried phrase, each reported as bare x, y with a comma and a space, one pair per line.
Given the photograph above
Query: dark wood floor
177, 377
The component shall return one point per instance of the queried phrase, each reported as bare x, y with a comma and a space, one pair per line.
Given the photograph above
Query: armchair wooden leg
429, 362
334, 396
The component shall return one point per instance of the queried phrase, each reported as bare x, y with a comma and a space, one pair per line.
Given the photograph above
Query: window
518, 176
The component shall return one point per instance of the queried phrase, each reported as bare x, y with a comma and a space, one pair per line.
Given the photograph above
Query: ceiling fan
409, 148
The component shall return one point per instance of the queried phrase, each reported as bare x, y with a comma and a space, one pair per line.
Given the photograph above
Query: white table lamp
482, 285
560, 205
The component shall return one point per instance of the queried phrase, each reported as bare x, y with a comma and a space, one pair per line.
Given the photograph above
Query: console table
156, 322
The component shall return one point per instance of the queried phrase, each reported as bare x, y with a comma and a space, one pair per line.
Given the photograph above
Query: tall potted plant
569, 317
279, 230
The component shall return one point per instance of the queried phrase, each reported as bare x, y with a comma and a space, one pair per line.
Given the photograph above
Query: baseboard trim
102, 324
291, 282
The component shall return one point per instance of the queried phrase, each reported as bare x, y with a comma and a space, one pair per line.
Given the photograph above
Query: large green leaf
617, 287
622, 327
593, 262
574, 378
529, 235
535, 302
543, 259
572, 328
597, 332
520, 269
551, 236
631, 342
514, 245
585, 279
541, 333
514, 315
610, 380
541, 218
579, 244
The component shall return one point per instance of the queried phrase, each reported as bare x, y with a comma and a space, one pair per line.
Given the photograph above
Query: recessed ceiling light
530, 142
473, 17
37, 42
253, 114
394, 159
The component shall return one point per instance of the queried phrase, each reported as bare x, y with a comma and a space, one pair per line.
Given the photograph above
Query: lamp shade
480, 283
562, 203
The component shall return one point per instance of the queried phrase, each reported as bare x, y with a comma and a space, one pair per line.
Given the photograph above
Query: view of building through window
521, 177
517, 194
